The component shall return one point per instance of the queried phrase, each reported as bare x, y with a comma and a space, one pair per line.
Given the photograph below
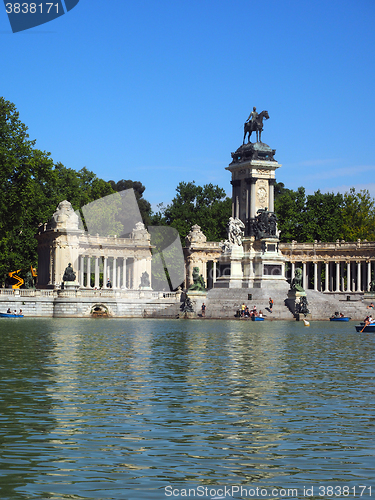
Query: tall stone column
214, 271
368, 275
293, 270
304, 277
326, 287
253, 181
316, 276
88, 272
348, 277
105, 272
359, 276
97, 272
337, 276
271, 195
81, 269
124, 272
114, 274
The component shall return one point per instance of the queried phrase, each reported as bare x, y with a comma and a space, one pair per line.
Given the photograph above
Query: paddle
366, 323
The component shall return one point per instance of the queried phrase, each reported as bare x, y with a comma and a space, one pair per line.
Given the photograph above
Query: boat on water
10, 315
257, 318
340, 318
370, 328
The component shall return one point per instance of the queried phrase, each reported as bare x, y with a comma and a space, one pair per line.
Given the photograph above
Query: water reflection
122, 408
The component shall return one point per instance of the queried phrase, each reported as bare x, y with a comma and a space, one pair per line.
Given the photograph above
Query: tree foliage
139, 188
324, 216
208, 206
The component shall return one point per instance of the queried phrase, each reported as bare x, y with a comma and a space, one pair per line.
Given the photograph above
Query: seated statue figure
372, 286
145, 280
69, 274
296, 283
198, 280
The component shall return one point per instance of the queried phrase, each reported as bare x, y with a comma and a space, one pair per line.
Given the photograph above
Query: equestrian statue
255, 124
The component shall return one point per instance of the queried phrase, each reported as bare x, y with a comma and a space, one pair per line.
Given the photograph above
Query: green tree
139, 188
358, 216
25, 177
31, 187
290, 208
207, 206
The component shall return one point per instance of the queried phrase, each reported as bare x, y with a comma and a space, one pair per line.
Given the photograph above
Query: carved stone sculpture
145, 280
235, 231
301, 306
264, 224
69, 274
199, 284
296, 283
188, 306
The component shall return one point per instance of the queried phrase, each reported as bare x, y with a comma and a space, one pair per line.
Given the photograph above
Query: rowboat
366, 329
257, 318
340, 318
9, 315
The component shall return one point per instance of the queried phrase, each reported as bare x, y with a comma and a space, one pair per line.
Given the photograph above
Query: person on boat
260, 314
371, 306
9, 311
341, 315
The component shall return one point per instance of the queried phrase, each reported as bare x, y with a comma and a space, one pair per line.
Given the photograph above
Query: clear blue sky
158, 91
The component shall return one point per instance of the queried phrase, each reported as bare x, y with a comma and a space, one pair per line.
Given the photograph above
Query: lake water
152, 409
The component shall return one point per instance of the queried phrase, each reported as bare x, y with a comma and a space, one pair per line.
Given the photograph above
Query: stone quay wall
81, 303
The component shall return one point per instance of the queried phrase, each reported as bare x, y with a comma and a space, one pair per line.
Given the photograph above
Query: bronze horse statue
255, 126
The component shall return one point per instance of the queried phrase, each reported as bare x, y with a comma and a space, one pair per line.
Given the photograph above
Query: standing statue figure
235, 231
69, 274
255, 124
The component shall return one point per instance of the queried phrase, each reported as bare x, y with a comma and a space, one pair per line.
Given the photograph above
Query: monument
250, 256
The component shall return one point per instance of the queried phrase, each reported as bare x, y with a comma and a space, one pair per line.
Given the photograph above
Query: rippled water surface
120, 409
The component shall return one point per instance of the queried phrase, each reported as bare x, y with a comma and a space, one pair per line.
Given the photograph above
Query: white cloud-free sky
158, 91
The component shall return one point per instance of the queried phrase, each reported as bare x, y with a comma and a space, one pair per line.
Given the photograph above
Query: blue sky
158, 91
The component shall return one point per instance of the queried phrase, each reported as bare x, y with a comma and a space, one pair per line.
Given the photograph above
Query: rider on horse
253, 115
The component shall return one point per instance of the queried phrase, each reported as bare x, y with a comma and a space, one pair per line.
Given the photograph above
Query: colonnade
335, 276
121, 272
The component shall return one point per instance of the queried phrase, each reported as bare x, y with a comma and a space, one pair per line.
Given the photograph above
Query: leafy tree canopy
139, 188
207, 206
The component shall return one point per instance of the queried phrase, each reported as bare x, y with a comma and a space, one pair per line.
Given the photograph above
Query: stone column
337, 276
214, 271
326, 287
97, 272
105, 272
252, 197
88, 272
367, 287
359, 276
124, 272
114, 284
304, 280
348, 278
81, 269
271, 204
316, 276
293, 270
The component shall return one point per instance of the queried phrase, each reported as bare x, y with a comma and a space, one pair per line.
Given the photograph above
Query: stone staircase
224, 303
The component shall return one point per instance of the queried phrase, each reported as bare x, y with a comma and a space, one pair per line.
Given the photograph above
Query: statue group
265, 224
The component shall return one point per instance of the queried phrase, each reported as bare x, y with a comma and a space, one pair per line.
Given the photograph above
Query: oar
366, 323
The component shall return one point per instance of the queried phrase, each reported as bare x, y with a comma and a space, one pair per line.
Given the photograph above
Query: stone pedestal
231, 262
294, 298
71, 285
